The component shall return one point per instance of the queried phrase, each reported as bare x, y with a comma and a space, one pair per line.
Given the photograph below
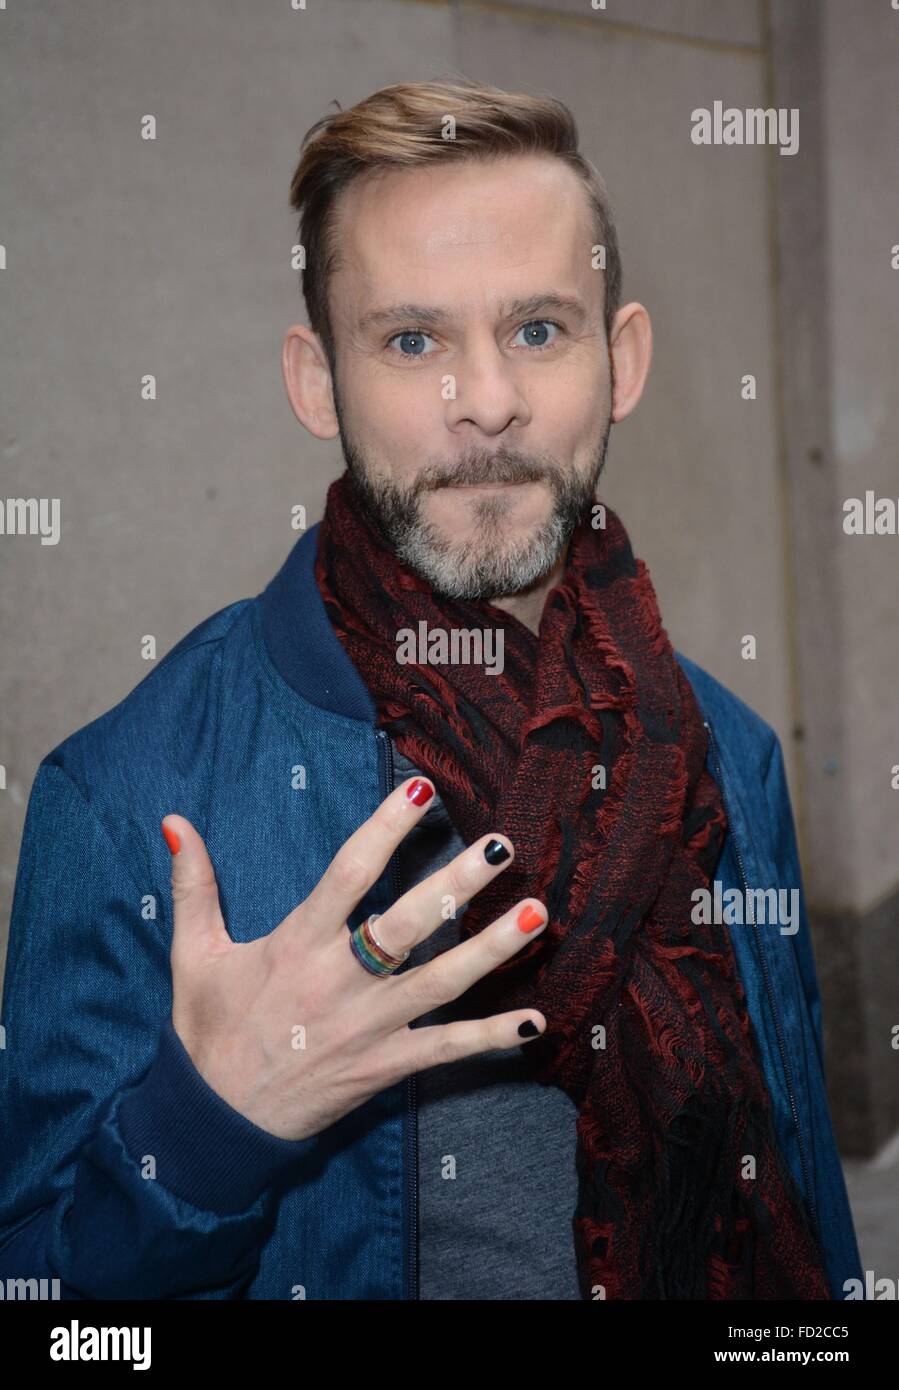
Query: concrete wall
171, 257
837, 209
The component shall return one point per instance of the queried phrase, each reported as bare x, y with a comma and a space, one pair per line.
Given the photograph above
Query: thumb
195, 896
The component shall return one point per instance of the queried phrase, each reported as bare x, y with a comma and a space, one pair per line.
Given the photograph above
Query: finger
450, 1042
421, 910
197, 913
362, 859
426, 987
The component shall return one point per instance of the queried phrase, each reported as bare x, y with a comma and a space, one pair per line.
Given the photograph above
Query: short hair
400, 127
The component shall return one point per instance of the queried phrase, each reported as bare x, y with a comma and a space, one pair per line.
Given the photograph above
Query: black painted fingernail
528, 1029
495, 852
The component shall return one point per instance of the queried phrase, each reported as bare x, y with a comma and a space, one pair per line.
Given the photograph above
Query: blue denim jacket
258, 729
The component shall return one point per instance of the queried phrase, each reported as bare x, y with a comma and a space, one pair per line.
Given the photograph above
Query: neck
528, 607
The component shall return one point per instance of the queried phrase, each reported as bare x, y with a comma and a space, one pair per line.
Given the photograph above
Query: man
429, 1009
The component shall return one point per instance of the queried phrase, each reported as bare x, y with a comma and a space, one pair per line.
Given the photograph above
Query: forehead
459, 227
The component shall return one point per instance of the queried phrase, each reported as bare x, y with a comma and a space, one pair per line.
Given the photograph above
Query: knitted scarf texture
588, 751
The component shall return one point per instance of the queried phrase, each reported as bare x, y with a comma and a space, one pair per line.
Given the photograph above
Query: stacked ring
368, 950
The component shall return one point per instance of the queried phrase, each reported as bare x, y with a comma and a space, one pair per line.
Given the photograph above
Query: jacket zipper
768, 988
411, 1185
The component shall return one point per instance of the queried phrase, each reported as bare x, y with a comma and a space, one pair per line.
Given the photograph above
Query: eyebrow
429, 317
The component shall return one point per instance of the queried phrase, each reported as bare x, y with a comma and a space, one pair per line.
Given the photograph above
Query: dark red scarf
648, 1029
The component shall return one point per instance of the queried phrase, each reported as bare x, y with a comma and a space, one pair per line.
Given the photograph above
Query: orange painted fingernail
529, 919
172, 839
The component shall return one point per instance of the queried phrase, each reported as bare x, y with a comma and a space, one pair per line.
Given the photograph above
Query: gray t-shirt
496, 1150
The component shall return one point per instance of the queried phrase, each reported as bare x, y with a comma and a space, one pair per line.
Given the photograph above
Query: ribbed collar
302, 644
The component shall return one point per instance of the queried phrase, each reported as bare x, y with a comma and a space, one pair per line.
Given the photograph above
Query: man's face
475, 419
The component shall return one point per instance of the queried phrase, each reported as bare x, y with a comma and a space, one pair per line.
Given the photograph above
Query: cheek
392, 415
573, 414
582, 414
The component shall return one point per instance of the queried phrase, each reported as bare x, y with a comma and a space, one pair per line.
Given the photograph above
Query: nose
484, 391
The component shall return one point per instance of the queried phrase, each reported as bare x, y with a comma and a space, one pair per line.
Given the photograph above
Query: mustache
481, 469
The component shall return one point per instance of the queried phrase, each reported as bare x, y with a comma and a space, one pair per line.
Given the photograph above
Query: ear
630, 347
307, 377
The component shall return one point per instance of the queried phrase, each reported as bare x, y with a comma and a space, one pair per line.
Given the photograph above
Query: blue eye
413, 335
411, 341
537, 326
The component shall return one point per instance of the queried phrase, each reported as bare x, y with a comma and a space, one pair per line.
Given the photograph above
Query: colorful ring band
368, 950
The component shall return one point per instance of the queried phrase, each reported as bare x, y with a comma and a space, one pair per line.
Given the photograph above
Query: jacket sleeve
123, 1173
787, 857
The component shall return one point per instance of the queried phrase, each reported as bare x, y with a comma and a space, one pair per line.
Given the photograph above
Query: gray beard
490, 566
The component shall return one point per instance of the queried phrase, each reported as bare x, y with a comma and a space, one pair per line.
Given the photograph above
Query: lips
471, 487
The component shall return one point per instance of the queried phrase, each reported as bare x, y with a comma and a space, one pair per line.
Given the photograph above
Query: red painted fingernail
420, 792
172, 839
529, 919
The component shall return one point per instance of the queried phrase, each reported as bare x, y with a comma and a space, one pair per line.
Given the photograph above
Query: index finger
362, 858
